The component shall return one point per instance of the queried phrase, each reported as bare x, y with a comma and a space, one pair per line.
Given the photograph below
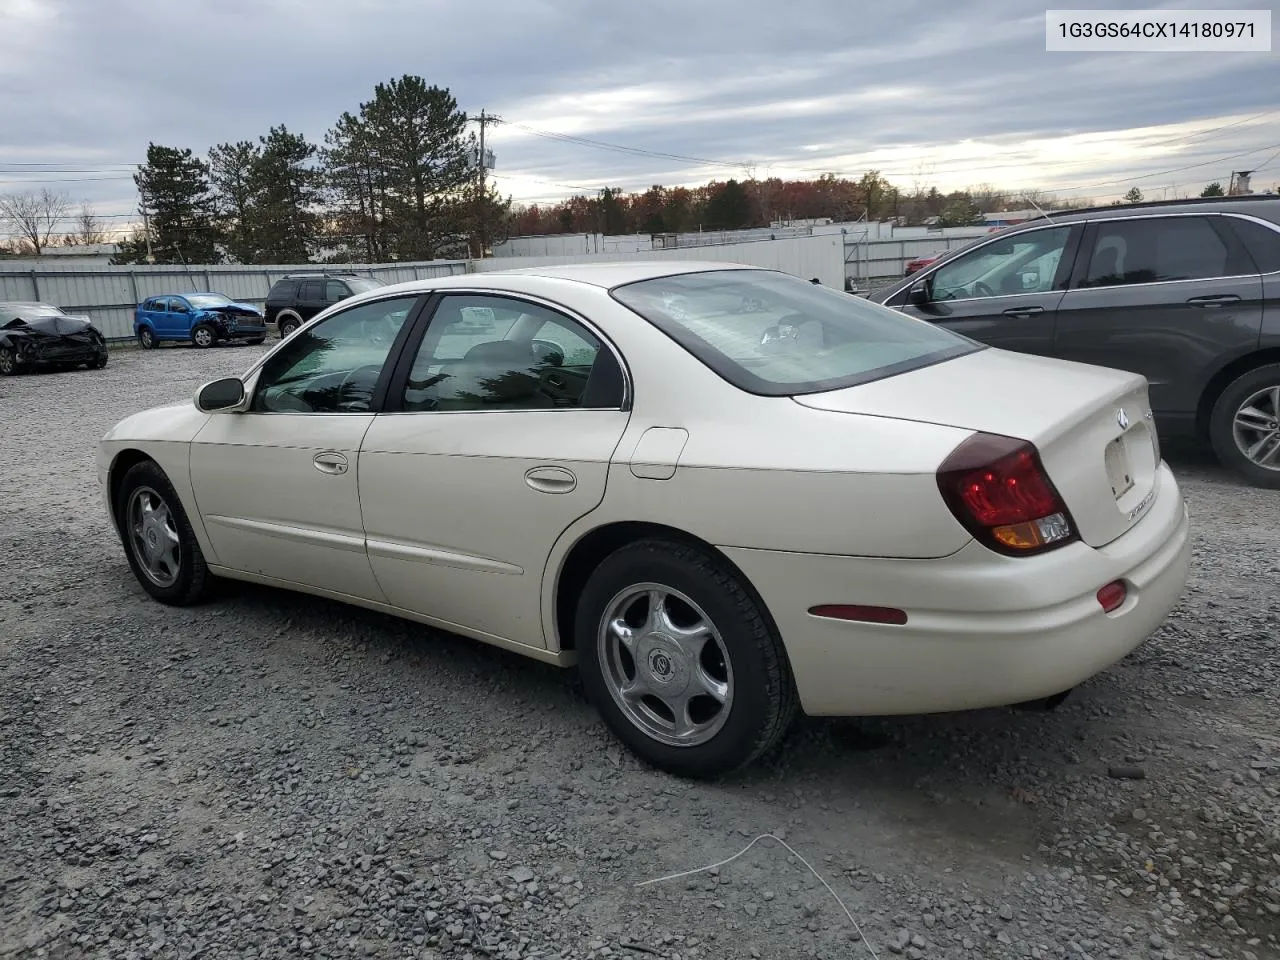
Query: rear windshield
773, 334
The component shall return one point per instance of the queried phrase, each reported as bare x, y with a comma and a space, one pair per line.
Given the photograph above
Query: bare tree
35, 216
89, 229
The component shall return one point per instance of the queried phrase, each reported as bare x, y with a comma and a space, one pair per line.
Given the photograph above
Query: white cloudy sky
945, 94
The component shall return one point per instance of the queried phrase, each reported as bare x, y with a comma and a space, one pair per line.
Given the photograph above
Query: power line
621, 148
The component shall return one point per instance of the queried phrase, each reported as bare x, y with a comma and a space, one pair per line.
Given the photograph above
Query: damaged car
42, 335
202, 319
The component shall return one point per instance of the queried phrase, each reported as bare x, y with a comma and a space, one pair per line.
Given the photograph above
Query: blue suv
199, 318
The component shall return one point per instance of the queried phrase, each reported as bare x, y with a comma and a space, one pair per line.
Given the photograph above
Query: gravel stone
273, 775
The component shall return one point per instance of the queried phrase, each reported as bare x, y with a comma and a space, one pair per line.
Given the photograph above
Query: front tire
287, 325
158, 540
8, 362
204, 336
681, 661
1244, 427
146, 338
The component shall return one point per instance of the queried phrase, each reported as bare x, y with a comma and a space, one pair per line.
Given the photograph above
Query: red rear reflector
1113, 596
860, 612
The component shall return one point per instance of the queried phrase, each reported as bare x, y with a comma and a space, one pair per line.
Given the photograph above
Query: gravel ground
272, 775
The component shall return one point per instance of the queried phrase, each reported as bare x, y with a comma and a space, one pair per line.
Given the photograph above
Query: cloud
944, 96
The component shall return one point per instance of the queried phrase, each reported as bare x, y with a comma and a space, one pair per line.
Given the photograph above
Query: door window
1025, 263
178, 306
496, 353
334, 366
1157, 249
311, 291
1263, 243
335, 290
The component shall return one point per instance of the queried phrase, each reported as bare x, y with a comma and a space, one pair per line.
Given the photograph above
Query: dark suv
1186, 293
300, 296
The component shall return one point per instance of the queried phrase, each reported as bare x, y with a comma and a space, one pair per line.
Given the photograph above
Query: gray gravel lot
273, 775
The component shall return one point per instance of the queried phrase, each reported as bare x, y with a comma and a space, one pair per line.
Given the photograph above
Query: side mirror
220, 396
918, 295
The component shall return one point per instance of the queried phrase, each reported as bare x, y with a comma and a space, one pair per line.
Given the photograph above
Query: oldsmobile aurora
725, 493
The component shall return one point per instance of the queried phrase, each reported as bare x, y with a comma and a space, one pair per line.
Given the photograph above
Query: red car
919, 263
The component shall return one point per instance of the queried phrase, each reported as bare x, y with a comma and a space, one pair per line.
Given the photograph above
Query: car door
276, 485
1004, 293
1170, 297
310, 298
494, 441
178, 319
159, 317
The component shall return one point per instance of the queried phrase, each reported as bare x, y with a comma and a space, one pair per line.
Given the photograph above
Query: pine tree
285, 186
174, 186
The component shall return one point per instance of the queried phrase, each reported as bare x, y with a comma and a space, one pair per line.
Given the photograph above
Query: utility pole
482, 163
146, 229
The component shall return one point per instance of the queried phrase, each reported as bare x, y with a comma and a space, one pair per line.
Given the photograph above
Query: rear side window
1156, 250
776, 335
1263, 243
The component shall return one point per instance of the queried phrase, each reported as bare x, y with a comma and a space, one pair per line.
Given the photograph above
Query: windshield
772, 334
205, 301
364, 284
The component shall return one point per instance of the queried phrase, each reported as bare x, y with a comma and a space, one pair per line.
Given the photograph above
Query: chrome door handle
1214, 301
333, 463
1023, 312
551, 479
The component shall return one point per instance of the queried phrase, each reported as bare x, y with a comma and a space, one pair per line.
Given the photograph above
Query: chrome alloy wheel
1256, 428
665, 665
154, 537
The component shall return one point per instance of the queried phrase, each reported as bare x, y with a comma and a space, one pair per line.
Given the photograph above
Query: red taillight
997, 487
1113, 595
860, 612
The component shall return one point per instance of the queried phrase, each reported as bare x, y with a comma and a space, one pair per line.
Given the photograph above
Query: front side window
334, 366
312, 291
334, 290
1157, 249
776, 335
1024, 263
178, 306
497, 353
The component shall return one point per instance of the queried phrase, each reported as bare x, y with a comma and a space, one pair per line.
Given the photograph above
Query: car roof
1266, 206
606, 275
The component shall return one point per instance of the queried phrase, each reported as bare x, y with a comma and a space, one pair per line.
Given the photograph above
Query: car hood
235, 310
58, 326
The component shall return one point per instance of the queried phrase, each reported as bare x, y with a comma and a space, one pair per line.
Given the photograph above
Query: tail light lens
998, 489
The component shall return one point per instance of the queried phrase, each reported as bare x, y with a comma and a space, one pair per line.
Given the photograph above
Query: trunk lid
1092, 425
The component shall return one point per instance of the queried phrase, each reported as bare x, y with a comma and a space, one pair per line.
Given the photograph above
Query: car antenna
1036, 206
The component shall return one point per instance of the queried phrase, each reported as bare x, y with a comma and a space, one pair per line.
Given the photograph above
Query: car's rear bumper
982, 630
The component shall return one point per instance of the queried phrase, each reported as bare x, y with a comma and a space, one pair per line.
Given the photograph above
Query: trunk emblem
1122, 418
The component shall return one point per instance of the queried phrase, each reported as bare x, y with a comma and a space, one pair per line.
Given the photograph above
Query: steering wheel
982, 290
551, 384
352, 378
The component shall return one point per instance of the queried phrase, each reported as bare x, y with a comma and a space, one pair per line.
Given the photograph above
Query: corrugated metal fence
110, 293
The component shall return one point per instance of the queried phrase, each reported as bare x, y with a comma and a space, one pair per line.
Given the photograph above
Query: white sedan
725, 493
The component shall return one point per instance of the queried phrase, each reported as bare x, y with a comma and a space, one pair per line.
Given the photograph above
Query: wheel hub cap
665, 665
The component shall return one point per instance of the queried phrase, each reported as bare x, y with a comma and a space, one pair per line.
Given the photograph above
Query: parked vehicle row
1187, 294
725, 493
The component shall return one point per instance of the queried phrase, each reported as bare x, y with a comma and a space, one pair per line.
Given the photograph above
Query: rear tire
723, 690
158, 540
8, 362
1244, 427
99, 362
146, 338
204, 336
